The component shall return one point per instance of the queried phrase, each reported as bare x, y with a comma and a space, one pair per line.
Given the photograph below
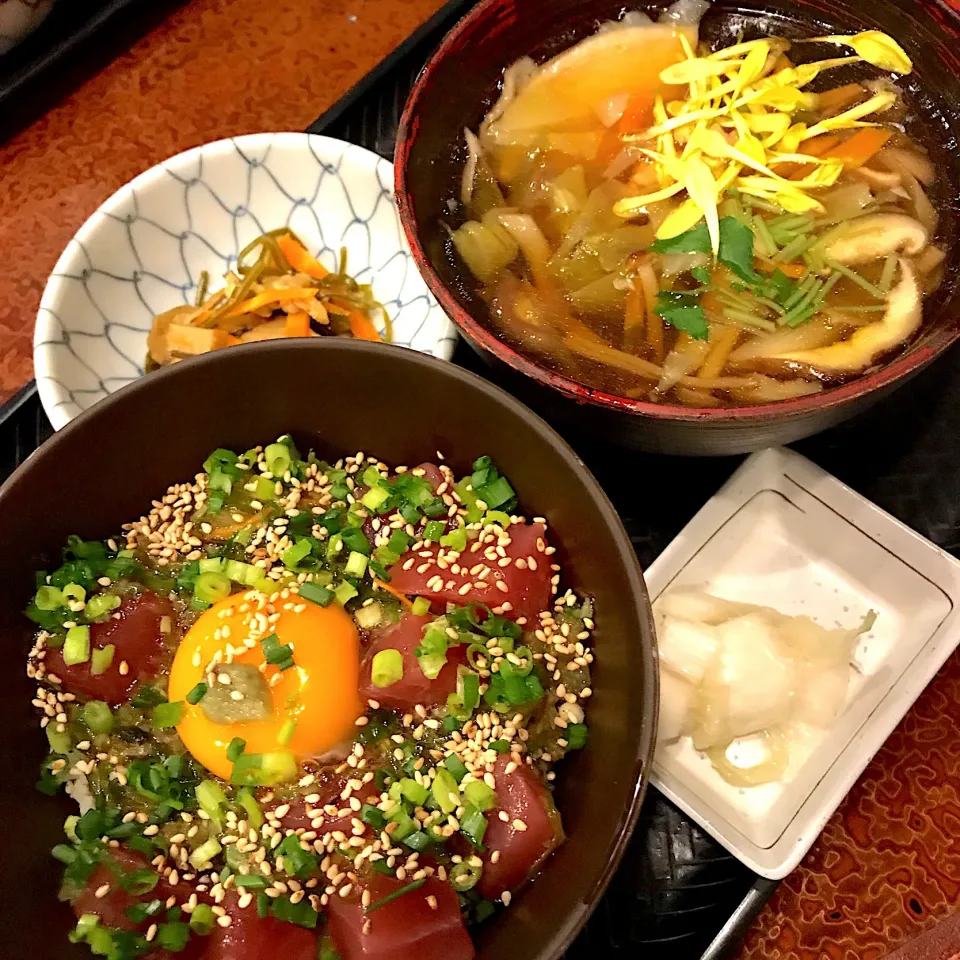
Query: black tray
678, 894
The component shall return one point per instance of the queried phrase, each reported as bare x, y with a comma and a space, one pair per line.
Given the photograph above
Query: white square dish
783, 533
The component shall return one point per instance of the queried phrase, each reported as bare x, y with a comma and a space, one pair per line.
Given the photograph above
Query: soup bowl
460, 83
107, 465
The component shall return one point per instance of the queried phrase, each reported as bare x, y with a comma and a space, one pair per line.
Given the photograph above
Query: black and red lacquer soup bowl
459, 84
338, 397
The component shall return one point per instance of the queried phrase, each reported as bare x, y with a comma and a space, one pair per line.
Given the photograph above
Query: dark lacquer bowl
340, 397
459, 84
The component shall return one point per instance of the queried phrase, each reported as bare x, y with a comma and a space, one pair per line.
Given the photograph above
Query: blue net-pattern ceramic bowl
144, 250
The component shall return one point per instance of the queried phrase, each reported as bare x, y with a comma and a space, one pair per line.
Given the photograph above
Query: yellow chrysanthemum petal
753, 65
876, 104
684, 218
876, 48
702, 190
631, 206
737, 50
687, 71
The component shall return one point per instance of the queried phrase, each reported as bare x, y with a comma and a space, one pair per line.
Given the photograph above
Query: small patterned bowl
19, 18
143, 252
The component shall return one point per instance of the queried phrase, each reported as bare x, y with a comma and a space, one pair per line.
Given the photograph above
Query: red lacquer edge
915, 359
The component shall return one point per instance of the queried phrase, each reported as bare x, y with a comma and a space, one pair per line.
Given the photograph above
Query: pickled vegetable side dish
308, 709
278, 290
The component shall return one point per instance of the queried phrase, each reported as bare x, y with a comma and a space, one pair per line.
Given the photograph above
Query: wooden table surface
215, 68
887, 866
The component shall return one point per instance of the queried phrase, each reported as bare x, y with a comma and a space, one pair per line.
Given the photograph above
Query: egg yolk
319, 693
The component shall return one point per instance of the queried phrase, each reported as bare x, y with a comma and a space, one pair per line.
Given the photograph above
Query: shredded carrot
839, 98
297, 325
792, 270
721, 343
711, 303
299, 259
402, 597
361, 326
277, 295
858, 149
336, 308
814, 147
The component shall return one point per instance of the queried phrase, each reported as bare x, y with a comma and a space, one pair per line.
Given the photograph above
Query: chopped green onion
480, 795
101, 659
356, 564
70, 828
277, 456
100, 605
296, 860
496, 516
405, 824
302, 914
211, 587
499, 746
205, 853
298, 552
469, 689
248, 801
250, 881
316, 593
148, 696
235, 748
421, 606
210, 564
287, 731
473, 825
576, 736
197, 693
210, 798
433, 531
418, 840
48, 598
74, 593
445, 790
375, 498
465, 875
496, 493
280, 655
415, 792
167, 714
386, 668
456, 767
76, 647
345, 592
266, 769
390, 897
97, 716
245, 573
456, 540
203, 919
372, 816
59, 741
